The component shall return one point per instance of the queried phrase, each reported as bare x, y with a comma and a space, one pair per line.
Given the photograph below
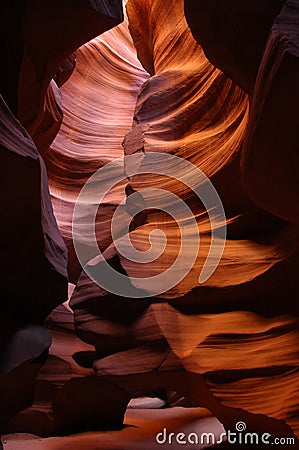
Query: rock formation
262, 57
35, 60
185, 107
208, 94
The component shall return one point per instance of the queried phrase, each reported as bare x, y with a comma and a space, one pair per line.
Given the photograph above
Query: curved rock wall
256, 44
147, 87
38, 39
230, 328
107, 81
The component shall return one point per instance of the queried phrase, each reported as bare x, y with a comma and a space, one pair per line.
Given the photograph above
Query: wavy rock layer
33, 57
271, 149
147, 87
107, 81
231, 328
38, 39
33, 269
233, 34
262, 57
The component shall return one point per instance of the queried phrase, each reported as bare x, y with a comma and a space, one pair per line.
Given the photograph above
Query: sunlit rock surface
147, 86
177, 102
107, 81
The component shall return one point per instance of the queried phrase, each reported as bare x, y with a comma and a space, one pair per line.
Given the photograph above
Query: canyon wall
216, 87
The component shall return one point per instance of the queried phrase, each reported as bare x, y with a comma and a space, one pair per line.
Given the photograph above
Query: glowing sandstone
235, 330
230, 328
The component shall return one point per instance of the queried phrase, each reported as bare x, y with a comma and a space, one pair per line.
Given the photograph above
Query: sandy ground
139, 433
141, 425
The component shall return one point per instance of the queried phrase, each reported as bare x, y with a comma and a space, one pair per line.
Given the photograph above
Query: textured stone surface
108, 78
270, 159
256, 44
37, 55
147, 86
233, 34
39, 38
33, 262
229, 328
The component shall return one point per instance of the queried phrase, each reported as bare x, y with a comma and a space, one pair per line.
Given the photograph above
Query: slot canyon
150, 223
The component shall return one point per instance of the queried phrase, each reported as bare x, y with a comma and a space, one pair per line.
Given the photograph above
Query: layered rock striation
228, 329
39, 39
162, 85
